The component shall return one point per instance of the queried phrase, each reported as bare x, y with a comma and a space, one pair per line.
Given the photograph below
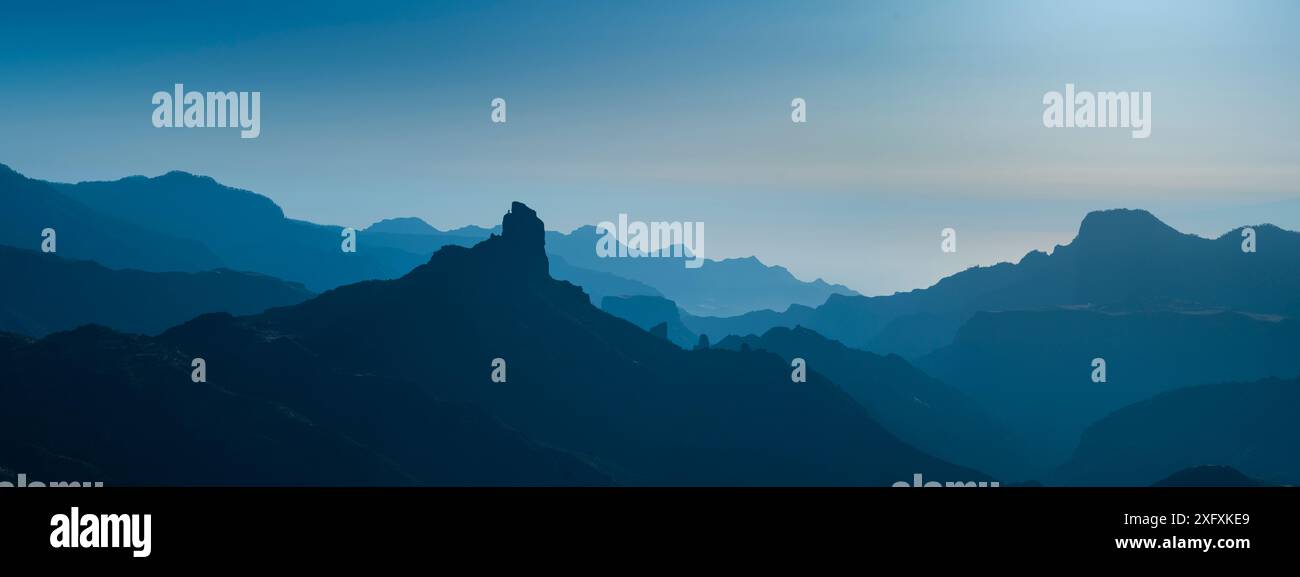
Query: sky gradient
921, 115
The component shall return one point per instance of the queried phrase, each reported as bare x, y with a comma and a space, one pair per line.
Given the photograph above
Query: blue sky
921, 115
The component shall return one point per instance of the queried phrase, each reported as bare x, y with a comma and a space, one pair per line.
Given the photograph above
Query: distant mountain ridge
649, 311
44, 293
718, 287
1121, 259
998, 358
208, 225
30, 206
247, 230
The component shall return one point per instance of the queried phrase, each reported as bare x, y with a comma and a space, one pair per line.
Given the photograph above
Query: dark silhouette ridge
43, 293
1170, 310
578, 378
525, 236
343, 387
1116, 228
96, 405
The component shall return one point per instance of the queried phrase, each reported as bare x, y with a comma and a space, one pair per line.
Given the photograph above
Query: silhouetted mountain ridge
226, 226
247, 230
30, 206
340, 389
1121, 260
718, 287
578, 378
43, 293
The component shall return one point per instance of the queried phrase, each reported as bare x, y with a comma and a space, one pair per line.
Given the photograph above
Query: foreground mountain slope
96, 405
1208, 476
43, 293
578, 378
1253, 427
1033, 369
922, 411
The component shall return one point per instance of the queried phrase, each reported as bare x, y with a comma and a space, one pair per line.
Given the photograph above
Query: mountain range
1120, 259
381, 366
374, 375
32, 206
183, 222
717, 288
